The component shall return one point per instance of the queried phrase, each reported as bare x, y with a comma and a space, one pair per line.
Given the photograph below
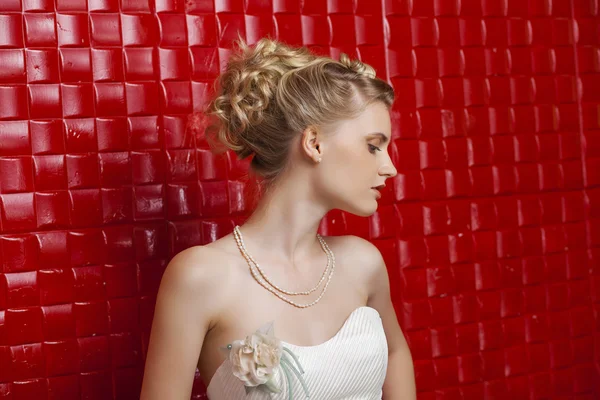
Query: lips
378, 189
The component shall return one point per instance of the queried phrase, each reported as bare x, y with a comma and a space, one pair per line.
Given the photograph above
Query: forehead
374, 118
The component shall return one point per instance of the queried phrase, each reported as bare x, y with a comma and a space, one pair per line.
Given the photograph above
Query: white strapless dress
350, 366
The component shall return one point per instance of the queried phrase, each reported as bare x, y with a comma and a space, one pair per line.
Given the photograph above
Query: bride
274, 310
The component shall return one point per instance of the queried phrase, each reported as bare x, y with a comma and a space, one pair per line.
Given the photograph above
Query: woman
274, 310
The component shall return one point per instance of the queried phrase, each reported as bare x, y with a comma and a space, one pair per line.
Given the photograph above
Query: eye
373, 149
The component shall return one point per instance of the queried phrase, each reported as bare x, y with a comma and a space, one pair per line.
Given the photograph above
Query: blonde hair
270, 92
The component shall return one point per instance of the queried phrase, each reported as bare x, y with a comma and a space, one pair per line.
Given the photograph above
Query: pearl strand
238, 236
239, 241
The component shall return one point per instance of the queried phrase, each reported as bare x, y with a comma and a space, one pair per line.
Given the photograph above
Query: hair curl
270, 92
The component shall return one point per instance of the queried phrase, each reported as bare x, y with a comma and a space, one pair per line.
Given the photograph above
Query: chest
350, 365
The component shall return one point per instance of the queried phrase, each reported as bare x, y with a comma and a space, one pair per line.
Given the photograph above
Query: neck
285, 222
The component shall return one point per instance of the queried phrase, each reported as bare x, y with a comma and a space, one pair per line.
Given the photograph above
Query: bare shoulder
355, 247
201, 276
356, 251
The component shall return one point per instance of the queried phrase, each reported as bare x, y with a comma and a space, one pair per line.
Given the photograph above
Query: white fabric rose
255, 359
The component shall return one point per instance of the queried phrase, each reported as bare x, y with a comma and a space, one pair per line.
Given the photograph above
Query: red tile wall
491, 230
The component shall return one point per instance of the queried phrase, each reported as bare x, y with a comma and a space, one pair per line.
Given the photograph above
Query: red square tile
63, 388
17, 212
123, 315
91, 319
15, 138
22, 289
178, 132
93, 353
210, 167
201, 30
105, 29
182, 200
52, 209
61, 357
73, 30
24, 325
117, 205
42, 66
103, 5
148, 167
289, 27
115, 169
147, 242
172, 30
119, 244
27, 361
135, 5
47, 137
125, 350
10, 5
110, 99
174, 64
148, 202
181, 165
142, 98
50, 172
139, 29
38, 5
315, 30
175, 97
96, 385
139, 63
11, 30
82, 171
110, 134
56, 286
75, 65
14, 101
58, 321
80, 135
77, 100
87, 247
40, 30
20, 253
16, 175
71, 5
84, 207
279, 6
45, 101
150, 274
121, 280
89, 283
107, 66
12, 62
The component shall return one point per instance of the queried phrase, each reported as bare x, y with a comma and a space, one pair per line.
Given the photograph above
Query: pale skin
208, 298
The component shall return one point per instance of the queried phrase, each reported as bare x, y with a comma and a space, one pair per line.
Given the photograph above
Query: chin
363, 210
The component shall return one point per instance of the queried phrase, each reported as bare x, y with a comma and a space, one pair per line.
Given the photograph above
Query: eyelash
372, 149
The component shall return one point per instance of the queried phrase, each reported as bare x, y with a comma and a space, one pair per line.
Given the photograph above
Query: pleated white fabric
349, 366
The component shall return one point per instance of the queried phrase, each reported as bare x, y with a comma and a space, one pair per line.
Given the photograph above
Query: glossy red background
490, 231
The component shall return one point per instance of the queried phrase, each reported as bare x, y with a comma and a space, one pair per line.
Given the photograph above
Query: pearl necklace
262, 279
240, 241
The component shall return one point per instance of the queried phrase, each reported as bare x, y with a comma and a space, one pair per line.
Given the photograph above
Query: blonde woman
274, 310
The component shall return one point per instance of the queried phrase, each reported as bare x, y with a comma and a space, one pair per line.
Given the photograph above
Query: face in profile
356, 160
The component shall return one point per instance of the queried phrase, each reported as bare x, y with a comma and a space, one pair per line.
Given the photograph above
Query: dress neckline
339, 331
344, 326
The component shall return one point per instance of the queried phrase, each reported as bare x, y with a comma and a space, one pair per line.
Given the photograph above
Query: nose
387, 168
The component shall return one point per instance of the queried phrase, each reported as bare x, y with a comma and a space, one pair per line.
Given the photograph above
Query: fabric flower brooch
257, 359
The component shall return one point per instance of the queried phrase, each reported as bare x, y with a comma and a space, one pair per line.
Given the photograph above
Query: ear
311, 143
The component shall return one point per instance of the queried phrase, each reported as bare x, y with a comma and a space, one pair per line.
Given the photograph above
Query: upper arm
182, 316
380, 296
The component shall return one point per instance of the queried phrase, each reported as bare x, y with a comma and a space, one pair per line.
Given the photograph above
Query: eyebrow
384, 139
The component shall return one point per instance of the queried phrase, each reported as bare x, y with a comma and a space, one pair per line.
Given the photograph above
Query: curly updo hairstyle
271, 92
